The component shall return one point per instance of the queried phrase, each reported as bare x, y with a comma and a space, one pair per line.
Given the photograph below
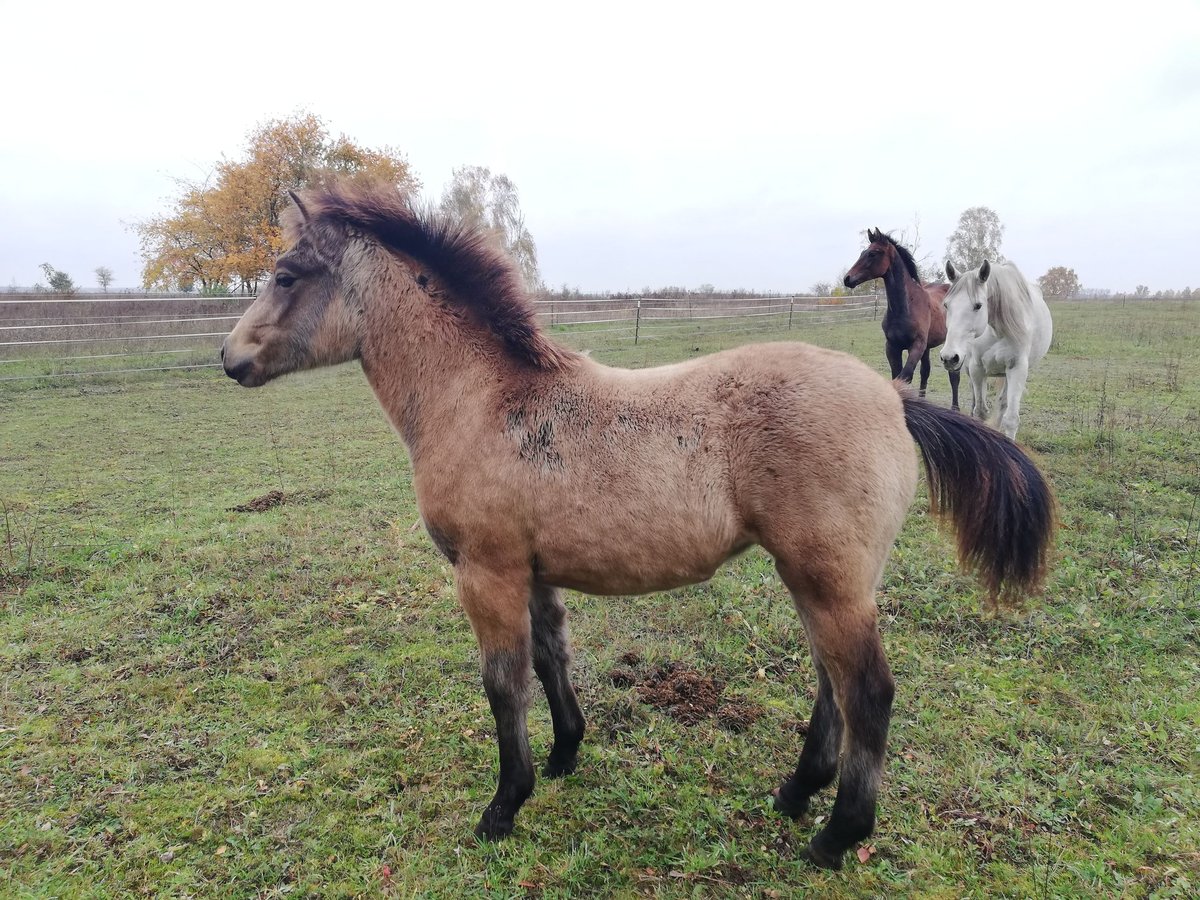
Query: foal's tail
1000, 504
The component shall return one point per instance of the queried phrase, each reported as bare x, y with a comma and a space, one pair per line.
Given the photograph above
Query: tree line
223, 233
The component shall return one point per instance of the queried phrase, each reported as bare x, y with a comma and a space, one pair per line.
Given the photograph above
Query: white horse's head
966, 312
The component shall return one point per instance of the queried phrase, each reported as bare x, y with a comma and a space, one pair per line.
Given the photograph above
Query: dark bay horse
536, 469
915, 322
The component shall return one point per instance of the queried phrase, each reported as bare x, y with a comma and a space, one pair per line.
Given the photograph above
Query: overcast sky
742, 145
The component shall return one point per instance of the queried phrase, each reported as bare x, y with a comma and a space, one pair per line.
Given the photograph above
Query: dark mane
482, 278
905, 255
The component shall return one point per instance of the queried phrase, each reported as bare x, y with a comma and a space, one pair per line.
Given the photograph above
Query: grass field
201, 700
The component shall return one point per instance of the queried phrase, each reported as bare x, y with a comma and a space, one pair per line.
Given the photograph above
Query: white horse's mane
1009, 301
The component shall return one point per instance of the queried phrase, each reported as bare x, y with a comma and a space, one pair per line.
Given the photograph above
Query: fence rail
79, 337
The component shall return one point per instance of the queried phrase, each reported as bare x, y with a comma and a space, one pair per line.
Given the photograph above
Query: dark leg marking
818, 763
551, 662
866, 701
506, 682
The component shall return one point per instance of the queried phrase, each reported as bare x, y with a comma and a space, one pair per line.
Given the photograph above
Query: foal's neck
896, 281
423, 366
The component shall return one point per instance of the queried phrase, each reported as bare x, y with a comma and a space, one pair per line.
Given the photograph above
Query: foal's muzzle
953, 362
237, 369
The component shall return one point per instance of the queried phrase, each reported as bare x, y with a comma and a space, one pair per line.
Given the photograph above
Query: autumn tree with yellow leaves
224, 233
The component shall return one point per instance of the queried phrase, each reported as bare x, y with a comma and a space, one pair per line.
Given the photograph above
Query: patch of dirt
263, 503
738, 714
271, 499
684, 694
681, 692
622, 677
631, 658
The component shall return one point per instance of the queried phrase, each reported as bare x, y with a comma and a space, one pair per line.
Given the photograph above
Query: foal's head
874, 262
351, 242
302, 319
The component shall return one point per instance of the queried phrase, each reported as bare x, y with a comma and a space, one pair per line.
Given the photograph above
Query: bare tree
928, 268
477, 197
977, 237
104, 277
821, 289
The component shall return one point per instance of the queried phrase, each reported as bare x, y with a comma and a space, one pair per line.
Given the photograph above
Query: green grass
201, 702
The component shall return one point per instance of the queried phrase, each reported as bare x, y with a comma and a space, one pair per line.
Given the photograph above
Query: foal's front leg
498, 607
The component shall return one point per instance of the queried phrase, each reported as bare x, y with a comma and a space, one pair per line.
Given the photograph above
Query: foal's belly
637, 560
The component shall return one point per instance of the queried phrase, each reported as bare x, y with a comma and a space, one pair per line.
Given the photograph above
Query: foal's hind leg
819, 759
841, 625
551, 662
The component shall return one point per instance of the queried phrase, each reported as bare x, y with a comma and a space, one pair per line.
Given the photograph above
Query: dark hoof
493, 827
789, 806
557, 768
821, 858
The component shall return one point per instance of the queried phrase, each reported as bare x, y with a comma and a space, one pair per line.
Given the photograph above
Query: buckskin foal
537, 469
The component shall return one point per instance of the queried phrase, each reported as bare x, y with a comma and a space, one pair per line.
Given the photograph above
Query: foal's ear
300, 206
984, 271
951, 273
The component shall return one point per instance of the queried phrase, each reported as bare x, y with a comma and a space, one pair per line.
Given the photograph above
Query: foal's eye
284, 281
978, 307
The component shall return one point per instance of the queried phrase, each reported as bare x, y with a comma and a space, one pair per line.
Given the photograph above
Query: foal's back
662, 474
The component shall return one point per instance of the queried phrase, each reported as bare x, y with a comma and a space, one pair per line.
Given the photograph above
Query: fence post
637, 323
791, 309
875, 312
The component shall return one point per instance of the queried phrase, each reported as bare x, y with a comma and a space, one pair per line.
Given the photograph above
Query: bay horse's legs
924, 371
916, 353
551, 662
498, 607
819, 758
841, 622
954, 377
894, 358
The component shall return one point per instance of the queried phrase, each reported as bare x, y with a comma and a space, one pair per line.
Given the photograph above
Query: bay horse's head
302, 319
874, 262
966, 306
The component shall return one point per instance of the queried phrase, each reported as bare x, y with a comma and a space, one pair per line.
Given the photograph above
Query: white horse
997, 323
